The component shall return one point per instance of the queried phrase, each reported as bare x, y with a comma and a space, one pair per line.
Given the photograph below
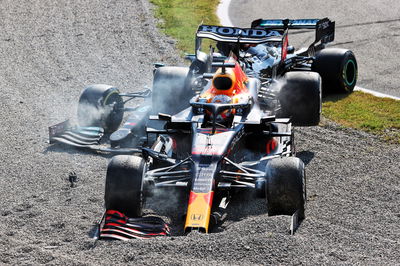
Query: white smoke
89, 115
170, 91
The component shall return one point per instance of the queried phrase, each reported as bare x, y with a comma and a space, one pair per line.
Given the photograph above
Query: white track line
377, 94
223, 15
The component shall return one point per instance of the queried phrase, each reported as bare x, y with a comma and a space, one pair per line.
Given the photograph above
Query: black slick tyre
300, 98
286, 188
101, 106
124, 190
338, 69
170, 91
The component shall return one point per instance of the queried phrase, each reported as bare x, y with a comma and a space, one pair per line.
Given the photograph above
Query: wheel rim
349, 72
116, 115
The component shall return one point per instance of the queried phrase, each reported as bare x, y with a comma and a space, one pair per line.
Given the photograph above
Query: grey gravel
50, 50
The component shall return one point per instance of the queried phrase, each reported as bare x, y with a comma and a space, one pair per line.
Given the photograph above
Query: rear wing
232, 37
324, 28
239, 35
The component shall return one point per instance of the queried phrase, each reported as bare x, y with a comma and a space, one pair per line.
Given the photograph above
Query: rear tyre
285, 189
171, 93
124, 191
101, 106
300, 98
338, 69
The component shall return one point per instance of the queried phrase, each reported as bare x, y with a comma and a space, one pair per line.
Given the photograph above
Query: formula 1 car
221, 126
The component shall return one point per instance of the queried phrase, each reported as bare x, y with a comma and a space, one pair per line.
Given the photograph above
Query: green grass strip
380, 116
180, 19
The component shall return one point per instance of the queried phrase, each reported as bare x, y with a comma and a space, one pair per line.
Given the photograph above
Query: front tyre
338, 69
286, 186
101, 106
124, 190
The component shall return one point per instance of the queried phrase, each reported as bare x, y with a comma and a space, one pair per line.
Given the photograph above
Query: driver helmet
225, 115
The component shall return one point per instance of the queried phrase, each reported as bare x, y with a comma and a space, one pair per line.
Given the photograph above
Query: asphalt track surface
51, 49
371, 29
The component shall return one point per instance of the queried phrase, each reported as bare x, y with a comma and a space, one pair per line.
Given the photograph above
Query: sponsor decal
210, 150
204, 180
303, 21
323, 25
238, 136
296, 22
238, 32
196, 217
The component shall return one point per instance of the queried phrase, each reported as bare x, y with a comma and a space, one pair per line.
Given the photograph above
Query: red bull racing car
223, 125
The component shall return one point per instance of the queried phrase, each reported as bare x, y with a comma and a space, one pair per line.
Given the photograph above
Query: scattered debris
73, 178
